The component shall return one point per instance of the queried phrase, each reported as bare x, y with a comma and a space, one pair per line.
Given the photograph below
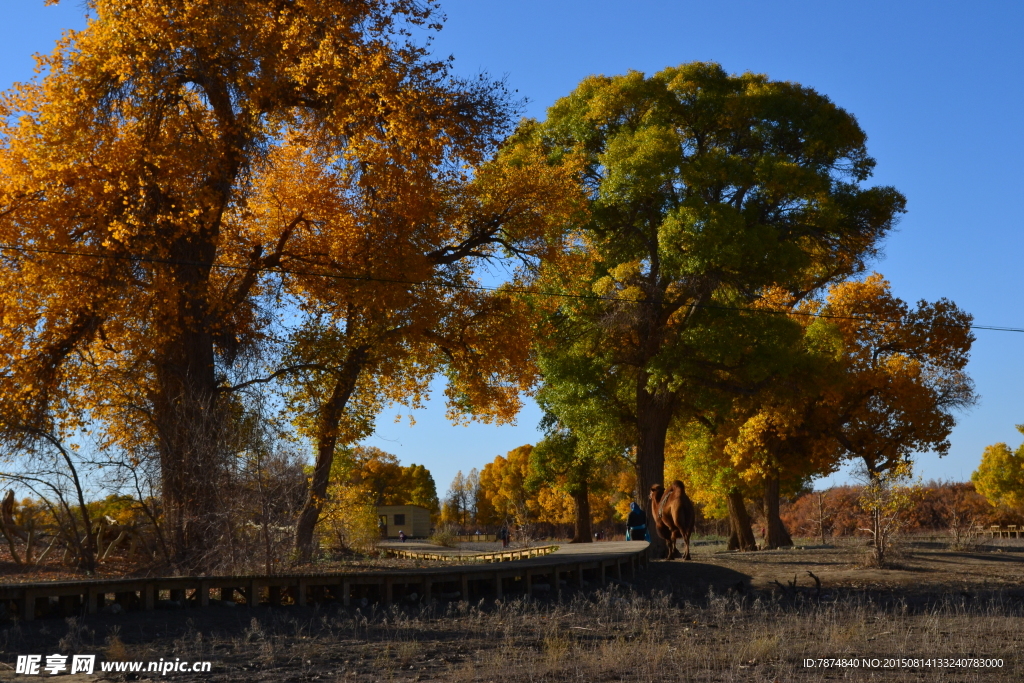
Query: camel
673, 516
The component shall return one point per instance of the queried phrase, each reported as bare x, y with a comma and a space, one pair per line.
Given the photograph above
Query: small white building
412, 519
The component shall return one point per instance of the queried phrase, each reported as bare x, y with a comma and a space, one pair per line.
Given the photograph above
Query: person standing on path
636, 523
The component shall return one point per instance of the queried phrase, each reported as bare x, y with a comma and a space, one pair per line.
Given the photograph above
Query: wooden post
579, 575
465, 588
300, 597
346, 592
148, 597
124, 599
252, 594
497, 584
204, 594
70, 605
389, 590
275, 595
28, 605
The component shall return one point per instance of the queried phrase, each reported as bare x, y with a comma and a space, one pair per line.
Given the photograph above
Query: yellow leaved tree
904, 373
887, 497
869, 378
1000, 475
184, 177
379, 338
503, 488
362, 478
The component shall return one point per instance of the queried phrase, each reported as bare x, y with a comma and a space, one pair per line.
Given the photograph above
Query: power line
452, 285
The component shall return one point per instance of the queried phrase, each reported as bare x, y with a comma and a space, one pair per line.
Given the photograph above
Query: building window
399, 520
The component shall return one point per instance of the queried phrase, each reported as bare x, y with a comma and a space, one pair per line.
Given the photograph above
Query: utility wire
463, 286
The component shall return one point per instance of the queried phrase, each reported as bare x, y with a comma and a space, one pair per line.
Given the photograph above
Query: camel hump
679, 486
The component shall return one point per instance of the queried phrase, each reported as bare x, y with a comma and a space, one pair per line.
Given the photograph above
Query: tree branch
279, 373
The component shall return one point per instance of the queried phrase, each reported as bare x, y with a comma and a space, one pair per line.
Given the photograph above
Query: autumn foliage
230, 228
937, 507
509, 491
201, 199
707, 190
1000, 477
362, 478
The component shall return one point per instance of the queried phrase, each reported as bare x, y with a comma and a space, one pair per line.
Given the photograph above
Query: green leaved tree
579, 467
705, 190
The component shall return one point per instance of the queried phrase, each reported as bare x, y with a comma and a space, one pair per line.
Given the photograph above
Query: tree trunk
879, 538
190, 427
654, 413
190, 433
776, 534
189, 424
327, 440
583, 532
821, 517
741, 536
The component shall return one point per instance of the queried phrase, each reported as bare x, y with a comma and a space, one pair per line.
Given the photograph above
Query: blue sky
936, 85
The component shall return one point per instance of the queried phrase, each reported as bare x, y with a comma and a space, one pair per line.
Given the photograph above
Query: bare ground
722, 617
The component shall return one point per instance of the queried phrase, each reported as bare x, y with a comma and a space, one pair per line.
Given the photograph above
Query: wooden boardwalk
574, 566
424, 551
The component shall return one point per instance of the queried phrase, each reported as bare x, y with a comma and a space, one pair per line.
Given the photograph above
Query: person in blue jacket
636, 524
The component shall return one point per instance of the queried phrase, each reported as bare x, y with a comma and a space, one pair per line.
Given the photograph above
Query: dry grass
669, 627
608, 635
612, 636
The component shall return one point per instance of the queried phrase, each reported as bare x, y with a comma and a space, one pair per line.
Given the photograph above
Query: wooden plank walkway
572, 565
511, 555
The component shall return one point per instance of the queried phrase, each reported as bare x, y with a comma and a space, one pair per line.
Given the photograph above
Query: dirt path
921, 567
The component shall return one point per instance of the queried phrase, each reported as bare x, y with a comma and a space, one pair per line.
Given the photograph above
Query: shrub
349, 518
446, 536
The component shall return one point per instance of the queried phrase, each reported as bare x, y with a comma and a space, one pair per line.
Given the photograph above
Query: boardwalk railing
1011, 531
544, 575
497, 556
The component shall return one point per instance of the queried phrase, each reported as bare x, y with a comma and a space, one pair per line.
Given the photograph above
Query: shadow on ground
691, 580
